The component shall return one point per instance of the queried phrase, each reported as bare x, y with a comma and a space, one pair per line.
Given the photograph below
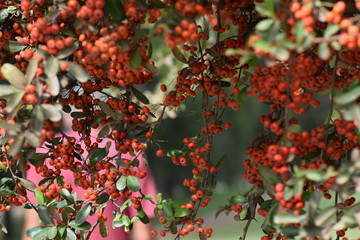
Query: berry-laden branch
88, 63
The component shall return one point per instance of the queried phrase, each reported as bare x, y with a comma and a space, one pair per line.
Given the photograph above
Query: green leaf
97, 119
32, 139
16, 145
14, 46
70, 235
8, 90
348, 97
135, 60
29, 185
238, 199
262, 44
300, 32
116, 9
159, 197
266, 204
167, 209
34, 230
97, 155
39, 197
326, 215
280, 53
330, 30
52, 232
13, 75
105, 131
52, 112
103, 229
126, 204
121, 183
268, 175
53, 84
264, 24
54, 212
139, 95
156, 4
178, 55
66, 195
133, 183
287, 218
148, 197
52, 66
84, 226
324, 51
15, 127
181, 212
241, 98
106, 108
151, 68
174, 152
78, 72
66, 52
41, 235
83, 214
290, 231
45, 216
31, 69
103, 198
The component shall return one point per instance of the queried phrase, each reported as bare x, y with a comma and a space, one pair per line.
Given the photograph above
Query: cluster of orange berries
185, 32
295, 204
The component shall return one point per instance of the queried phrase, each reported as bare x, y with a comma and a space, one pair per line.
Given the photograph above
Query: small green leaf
139, 95
148, 197
103, 229
179, 55
52, 232
14, 46
34, 230
325, 216
29, 185
238, 199
348, 97
159, 197
268, 175
52, 66
135, 60
78, 72
13, 75
133, 183
107, 110
300, 32
83, 214
116, 9
97, 155
66, 195
52, 112
16, 145
45, 216
262, 44
84, 226
39, 197
156, 4
53, 84
280, 53
330, 30
324, 51
167, 209
54, 212
70, 235
174, 152
31, 69
66, 52
41, 235
105, 131
103, 198
181, 212
264, 24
